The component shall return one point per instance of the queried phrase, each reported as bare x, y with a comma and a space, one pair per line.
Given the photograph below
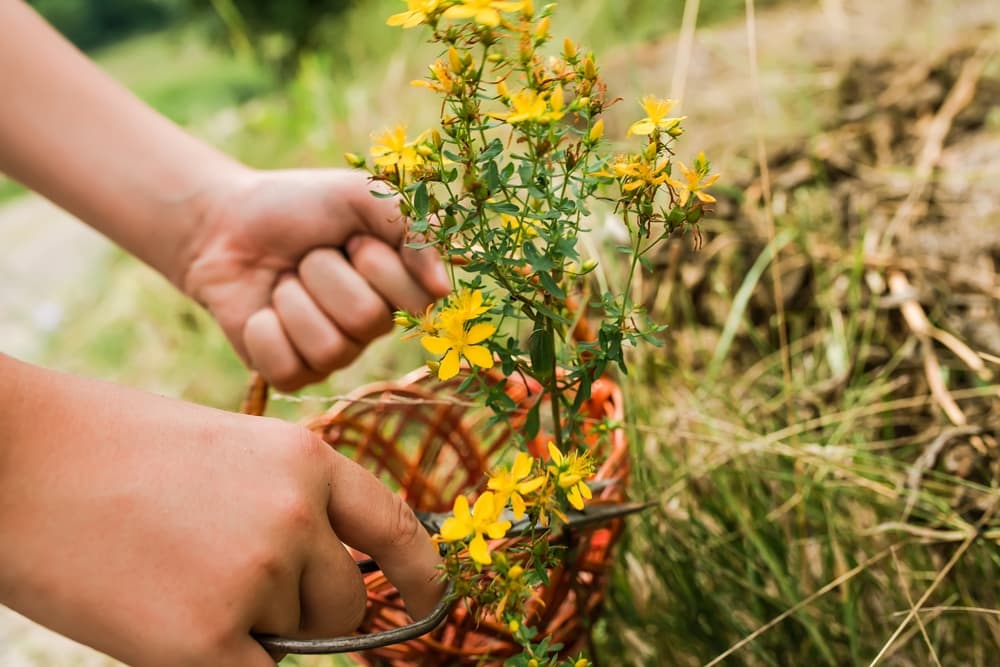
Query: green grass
10, 189
178, 73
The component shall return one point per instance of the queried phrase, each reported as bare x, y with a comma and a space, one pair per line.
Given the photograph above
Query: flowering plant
504, 188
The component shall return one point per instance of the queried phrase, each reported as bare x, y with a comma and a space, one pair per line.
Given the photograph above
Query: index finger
373, 519
383, 217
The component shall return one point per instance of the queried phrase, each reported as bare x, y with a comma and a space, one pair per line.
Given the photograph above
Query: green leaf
502, 207
532, 422
542, 351
537, 260
420, 200
550, 285
491, 151
492, 177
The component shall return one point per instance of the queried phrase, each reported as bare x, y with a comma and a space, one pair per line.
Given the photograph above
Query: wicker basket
418, 436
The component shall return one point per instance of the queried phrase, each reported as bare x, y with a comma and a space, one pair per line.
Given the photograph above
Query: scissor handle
362, 642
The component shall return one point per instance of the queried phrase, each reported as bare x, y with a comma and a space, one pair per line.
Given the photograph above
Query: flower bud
588, 265
542, 29
402, 319
502, 90
597, 131
455, 60
569, 49
354, 160
513, 626
590, 67
515, 572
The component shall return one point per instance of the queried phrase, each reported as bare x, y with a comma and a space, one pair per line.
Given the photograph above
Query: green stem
554, 387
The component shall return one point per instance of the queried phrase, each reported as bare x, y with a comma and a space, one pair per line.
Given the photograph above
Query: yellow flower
694, 184
528, 229
419, 11
529, 106
390, 149
466, 305
454, 342
483, 12
440, 80
426, 324
510, 484
656, 116
571, 472
634, 172
483, 519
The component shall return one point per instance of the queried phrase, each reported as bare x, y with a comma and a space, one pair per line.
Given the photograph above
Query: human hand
164, 533
303, 268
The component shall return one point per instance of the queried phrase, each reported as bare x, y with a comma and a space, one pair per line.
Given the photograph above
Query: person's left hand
303, 268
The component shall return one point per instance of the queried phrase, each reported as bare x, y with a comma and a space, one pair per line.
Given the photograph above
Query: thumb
373, 519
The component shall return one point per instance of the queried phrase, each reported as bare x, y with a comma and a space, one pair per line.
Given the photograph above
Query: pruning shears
594, 514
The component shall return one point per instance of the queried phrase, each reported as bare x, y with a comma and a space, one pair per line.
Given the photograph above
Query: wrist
191, 215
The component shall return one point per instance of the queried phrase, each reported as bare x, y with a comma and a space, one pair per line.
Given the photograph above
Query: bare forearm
70, 132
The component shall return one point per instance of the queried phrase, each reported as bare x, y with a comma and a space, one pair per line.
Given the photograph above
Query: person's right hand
164, 533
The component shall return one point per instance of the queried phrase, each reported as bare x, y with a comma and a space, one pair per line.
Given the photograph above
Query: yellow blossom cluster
645, 172
454, 332
525, 484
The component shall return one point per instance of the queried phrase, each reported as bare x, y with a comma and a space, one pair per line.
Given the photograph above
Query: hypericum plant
504, 189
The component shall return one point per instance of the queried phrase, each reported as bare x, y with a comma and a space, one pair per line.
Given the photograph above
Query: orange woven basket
419, 436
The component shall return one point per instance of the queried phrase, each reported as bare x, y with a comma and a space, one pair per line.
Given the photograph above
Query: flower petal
461, 508
435, 344
478, 356
517, 504
479, 550
453, 530
574, 498
531, 485
643, 127
449, 365
522, 465
554, 452
479, 332
498, 529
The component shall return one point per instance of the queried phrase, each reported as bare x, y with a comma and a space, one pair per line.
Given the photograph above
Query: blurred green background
814, 503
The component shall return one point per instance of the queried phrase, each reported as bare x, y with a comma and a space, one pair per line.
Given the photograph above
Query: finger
378, 215
316, 339
426, 265
332, 592
344, 295
371, 518
272, 353
383, 268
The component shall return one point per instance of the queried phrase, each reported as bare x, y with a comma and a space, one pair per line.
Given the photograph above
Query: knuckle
285, 376
404, 526
329, 354
373, 318
317, 260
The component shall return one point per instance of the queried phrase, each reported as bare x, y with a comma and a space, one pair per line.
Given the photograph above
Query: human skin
162, 532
